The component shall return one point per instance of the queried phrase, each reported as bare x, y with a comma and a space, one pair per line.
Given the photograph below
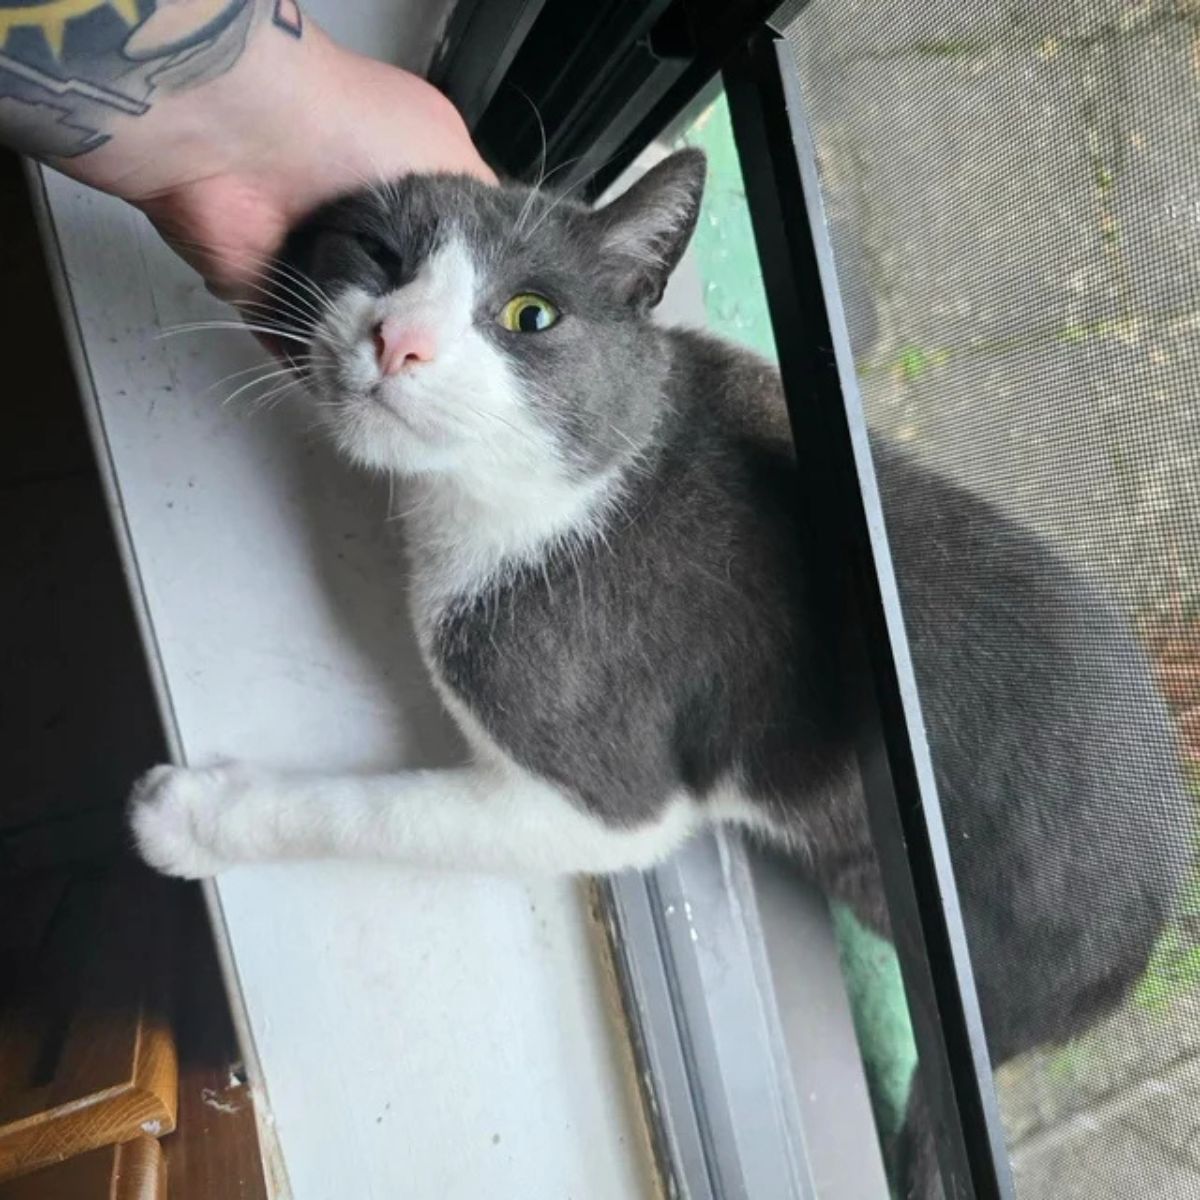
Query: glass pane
1014, 198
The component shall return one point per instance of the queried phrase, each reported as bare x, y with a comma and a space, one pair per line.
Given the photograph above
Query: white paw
175, 814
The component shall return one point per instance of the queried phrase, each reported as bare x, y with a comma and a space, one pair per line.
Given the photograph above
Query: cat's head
451, 326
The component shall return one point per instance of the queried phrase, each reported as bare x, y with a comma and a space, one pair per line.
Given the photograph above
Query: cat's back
731, 395
1054, 752
1021, 656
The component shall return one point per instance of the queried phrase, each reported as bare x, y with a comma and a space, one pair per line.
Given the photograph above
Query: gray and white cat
612, 589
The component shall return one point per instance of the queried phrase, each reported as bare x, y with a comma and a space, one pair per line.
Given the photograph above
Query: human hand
226, 124
325, 126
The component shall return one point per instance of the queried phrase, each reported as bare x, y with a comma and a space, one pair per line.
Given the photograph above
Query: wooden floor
119, 1070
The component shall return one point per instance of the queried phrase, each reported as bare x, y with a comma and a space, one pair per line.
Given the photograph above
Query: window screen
1014, 198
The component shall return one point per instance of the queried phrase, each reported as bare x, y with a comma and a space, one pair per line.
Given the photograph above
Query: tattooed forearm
69, 68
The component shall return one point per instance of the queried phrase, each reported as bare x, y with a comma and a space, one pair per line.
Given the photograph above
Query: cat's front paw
174, 813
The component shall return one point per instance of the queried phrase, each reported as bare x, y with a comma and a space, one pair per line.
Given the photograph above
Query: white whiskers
234, 327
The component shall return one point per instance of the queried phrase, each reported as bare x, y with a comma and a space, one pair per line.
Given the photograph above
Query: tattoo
68, 67
287, 16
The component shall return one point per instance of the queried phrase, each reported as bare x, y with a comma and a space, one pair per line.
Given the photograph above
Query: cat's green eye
528, 313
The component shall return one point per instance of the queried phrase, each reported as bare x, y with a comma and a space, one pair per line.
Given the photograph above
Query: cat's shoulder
738, 389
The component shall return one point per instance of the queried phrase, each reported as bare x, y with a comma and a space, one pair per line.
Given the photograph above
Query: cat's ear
644, 231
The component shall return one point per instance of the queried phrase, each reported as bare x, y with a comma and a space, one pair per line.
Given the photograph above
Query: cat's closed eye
380, 253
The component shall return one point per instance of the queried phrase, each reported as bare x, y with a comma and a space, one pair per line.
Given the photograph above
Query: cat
611, 587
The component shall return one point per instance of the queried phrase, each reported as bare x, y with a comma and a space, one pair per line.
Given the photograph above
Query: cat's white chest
462, 546
462, 541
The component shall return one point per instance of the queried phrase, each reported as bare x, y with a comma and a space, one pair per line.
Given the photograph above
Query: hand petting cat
227, 150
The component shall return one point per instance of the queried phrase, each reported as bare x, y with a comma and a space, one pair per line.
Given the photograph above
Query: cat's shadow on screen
356, 548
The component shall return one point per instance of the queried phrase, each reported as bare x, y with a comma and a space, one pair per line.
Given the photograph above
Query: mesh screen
1014, 200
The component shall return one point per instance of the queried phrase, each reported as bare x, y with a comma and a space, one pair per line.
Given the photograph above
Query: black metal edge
580, 66
477, 49
837, 481
702, 35
579, 90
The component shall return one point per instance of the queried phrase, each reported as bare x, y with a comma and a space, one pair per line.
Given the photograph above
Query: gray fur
686, 645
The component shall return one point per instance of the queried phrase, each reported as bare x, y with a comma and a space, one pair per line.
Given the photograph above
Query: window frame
632, 76
687, 939
779, 163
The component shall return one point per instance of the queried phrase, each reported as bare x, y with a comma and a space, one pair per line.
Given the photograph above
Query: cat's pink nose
400, 345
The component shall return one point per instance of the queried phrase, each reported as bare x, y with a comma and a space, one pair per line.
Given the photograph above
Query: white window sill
415, 1035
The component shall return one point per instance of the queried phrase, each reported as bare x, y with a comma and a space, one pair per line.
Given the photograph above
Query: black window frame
625, 72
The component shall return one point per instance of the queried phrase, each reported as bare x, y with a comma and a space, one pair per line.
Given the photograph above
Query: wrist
291, 114
229, 124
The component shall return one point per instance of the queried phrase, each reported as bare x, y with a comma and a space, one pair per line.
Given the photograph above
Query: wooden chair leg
95, 1066
134, 1170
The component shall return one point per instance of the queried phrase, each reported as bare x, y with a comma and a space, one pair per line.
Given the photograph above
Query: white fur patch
194, 823
728, 803
461, 533
174, 821
491, 816
487, 484
459, 412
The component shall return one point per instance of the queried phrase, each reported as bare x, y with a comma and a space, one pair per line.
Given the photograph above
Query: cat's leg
196, 822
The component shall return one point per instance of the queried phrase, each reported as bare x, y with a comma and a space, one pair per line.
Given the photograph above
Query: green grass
912, 362
1174, 968
1065, 1063
951, 48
